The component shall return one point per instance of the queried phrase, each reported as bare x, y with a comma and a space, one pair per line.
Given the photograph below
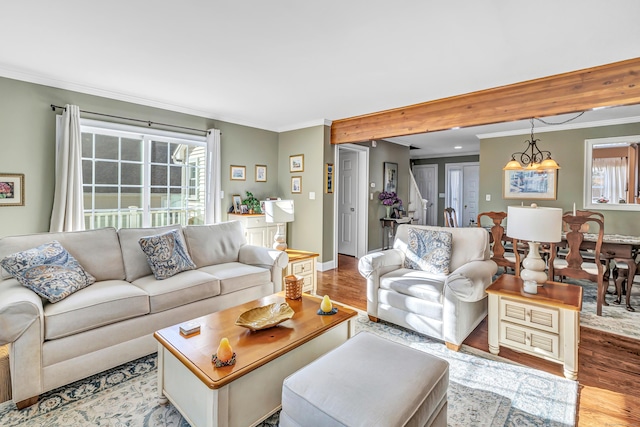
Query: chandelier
532, 158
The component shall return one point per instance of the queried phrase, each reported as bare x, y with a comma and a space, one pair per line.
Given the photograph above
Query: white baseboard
324, 266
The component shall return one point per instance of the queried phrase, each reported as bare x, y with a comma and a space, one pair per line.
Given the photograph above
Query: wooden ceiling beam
603, 86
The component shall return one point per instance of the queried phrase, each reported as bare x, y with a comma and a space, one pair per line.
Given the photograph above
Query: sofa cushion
215, 243
181, 289
428, 250
235, 276
48, 270
415, 283
135, 261
166, 254
98, 251
100, 304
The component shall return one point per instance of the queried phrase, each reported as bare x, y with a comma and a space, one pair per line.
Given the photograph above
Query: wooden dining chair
499, 254
574, 265
450, 218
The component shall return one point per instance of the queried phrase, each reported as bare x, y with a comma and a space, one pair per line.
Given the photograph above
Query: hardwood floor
609, 364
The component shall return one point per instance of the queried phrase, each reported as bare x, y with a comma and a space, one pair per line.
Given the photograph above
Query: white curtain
614, 173
214, 202
68, 206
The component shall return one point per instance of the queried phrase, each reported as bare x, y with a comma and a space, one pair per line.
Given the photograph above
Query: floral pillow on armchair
428, 250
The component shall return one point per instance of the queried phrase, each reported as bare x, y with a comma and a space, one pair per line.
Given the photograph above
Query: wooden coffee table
249, 391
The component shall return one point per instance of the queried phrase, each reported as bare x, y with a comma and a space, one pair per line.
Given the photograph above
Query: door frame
362, 228
447, 169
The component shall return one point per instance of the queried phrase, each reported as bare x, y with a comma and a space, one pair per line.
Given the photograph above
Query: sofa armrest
271, 259
372, 267
19, 309
468, 282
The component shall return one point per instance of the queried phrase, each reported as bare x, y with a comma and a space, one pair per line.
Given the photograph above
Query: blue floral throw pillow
48, 270
428, 250
166, 254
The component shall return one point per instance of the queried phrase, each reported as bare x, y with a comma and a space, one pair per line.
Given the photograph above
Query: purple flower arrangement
389, 198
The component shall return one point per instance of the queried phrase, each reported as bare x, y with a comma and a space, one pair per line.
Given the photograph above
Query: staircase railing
417, 208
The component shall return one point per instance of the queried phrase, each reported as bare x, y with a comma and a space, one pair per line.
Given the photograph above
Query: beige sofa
445, 306
112, 321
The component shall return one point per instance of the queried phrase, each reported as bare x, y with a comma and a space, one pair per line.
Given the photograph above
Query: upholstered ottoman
367, 381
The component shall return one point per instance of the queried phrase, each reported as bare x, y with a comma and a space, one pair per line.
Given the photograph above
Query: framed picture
261, 173
244, 209
390, 177
11, 189
237, 202
296, 184
238, 173
328, 178
296, 163
530, 184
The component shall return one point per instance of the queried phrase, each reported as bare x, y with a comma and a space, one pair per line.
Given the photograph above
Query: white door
461, 191
470, 197
347, 203
427, 180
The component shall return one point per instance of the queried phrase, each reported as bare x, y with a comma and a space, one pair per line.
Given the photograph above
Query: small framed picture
238, 173
11, 189
296, 163
296, 184
328, 178
237, 202
261, 173
244, 209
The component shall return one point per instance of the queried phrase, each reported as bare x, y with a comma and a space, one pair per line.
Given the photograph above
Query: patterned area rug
615, 318
484, 390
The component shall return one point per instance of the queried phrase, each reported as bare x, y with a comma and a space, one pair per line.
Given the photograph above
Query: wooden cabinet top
562, 295
297, 255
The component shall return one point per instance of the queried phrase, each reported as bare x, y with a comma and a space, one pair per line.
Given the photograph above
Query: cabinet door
256, 236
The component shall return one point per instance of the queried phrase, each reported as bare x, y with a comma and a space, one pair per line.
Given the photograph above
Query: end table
303, 263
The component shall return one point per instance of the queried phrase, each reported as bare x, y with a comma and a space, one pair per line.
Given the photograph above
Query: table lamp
279, 212
534, 224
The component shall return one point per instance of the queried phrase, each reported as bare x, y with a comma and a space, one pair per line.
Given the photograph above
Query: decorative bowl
265, 317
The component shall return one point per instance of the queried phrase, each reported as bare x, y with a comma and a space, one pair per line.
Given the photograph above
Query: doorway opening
461, 191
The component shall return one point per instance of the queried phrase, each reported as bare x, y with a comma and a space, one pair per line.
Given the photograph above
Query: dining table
619, 248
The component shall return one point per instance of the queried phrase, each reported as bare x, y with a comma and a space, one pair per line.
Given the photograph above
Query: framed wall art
238, 173
296, 184
390, 177
530, 184
237, 203
328, 178
261, 173
296, 163
11, 189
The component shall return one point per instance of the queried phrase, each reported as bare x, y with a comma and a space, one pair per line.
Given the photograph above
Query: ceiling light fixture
532, 157
458, 147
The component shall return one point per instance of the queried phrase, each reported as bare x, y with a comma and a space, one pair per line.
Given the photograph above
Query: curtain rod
148, 122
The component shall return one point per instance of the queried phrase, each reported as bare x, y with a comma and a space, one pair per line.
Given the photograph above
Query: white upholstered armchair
445, 305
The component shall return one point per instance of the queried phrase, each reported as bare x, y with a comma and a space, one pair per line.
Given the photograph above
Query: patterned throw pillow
166, 254
428, 250
48, 270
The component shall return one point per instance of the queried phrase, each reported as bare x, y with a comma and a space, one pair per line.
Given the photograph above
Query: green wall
27, 144
385, 152
567, 148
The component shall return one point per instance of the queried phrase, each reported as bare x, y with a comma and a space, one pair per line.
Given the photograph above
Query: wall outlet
487, 197
312, 195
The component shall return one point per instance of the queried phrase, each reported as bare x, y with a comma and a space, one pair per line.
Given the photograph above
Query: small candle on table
574, 208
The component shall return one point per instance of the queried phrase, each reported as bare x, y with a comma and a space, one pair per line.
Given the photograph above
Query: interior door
470, 196
347, 204
427, 180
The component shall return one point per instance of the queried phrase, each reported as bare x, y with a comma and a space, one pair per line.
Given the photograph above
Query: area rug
615, 318
484, 390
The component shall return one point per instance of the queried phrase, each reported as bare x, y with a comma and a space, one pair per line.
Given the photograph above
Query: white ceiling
286, 64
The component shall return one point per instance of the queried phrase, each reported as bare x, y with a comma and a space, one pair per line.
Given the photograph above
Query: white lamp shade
278, 211
535, 224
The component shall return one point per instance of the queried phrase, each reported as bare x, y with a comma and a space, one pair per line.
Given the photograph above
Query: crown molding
304, 125
557, 128
118, 96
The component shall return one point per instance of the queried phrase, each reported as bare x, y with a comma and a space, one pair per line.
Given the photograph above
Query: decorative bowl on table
266, 316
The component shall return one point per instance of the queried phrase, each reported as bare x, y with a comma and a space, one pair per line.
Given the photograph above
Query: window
138, 177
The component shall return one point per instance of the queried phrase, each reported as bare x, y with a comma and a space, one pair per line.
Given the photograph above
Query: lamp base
534, 269
279, 239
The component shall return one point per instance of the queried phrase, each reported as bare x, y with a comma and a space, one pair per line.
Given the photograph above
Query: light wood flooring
609, 365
